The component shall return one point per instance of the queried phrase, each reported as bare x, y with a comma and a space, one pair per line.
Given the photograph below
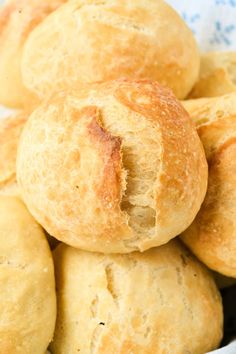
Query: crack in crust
109, 189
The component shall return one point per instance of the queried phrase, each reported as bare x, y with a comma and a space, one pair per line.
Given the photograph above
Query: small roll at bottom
159, 301
27, 296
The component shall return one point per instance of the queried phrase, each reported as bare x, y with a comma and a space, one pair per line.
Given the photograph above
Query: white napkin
229, 349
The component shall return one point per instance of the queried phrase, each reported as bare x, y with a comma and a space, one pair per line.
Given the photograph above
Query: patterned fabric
213, 22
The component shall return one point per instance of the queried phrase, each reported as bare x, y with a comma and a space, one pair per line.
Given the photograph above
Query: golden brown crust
112, 315
217, 75
96, 41
152, 101
17, 19
212, 236
207, 110
27, 297
10, 130
109, 148
115, 167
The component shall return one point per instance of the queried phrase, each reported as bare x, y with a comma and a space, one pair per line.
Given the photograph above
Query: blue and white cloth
212, 21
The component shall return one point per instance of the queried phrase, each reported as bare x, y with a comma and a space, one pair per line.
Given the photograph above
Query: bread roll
17, 19
116, 167
156, 302
91, 41
212, 235
10, 130
207, 110
27, 296
217, 75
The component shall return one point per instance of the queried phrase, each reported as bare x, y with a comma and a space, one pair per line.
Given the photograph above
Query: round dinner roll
115, 167
27, 296
91, 41
159, 301
10, 130
212, 235
207, 110
17, 20
217, 75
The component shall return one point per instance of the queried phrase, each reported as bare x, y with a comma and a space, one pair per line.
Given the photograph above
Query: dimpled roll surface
159, 301
27, 296
17, 19
93, 40
115, 167
212, 235
217, 75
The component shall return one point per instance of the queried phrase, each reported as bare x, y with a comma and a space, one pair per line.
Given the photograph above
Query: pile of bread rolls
102, 169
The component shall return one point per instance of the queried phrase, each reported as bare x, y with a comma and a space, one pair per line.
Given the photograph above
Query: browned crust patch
32, 15
217, 155
108, 146
5, 15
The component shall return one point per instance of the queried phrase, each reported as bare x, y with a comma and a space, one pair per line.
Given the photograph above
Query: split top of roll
115, 167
